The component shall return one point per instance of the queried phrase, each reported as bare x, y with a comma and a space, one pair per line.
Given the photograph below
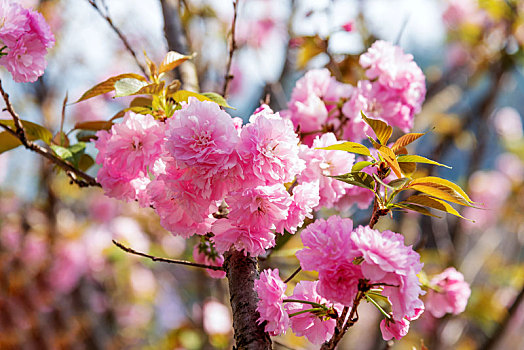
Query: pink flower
131, 147
270, 290
260, 208
394, 329
268, 150
460, 12
203, 253
121, 186
305, 198
394, 93
202, 135
14, 19
313, 97
325, 242
450, 295
384, 253
321, 164
338, 281
317, 329
250, 240
182, 209
25, 60
27, 37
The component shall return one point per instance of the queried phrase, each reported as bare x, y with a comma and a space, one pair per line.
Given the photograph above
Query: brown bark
242, 271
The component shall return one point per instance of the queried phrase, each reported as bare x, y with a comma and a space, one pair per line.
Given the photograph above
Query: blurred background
64, 285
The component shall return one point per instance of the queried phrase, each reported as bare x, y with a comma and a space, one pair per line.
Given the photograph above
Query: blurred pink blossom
450, 295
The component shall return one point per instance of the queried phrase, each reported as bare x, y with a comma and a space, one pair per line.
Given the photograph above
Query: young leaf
219, 100
128, 86
107, 86
310, 47
172, 60
391, 159
418, 159
32, 130
360, 179
8, 142
72, 154
434, 203
405, 140
382, 130
408, 168
151, 89
439, 191
85, 162
86, 136
360, 165
141, 102
416, 208
94, 125
438, 180
399, 183
351, 147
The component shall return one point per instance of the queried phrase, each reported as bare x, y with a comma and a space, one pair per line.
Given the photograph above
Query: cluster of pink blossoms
202, 160
348, 261
25, 38
280, 312
394, 93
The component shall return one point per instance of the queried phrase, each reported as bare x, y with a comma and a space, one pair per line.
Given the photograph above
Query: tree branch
166, 260
232, 47
177, 41
77, 176
118, 32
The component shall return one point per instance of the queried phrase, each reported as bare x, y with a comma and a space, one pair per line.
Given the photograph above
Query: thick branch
177, 41
242, 271
166, 260
119, 33
232, 47
77, 176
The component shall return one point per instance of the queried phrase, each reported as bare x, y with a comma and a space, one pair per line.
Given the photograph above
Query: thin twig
293, 274
118, 32
77, 176
232, 47
166, 260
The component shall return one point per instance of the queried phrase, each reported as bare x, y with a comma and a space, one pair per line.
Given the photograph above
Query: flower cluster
25, 38
394, 92
280, 312
351, 261
202, 160
314, 103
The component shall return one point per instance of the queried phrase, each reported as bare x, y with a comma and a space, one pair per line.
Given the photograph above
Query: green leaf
85, 162
418, 159
8, 142
128, 86
359, 178
172, 60
434, 203
32, 130
94, 125
218, 99
71, 154
399, 183
360, 165
348, 146
382, 130
108, 86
